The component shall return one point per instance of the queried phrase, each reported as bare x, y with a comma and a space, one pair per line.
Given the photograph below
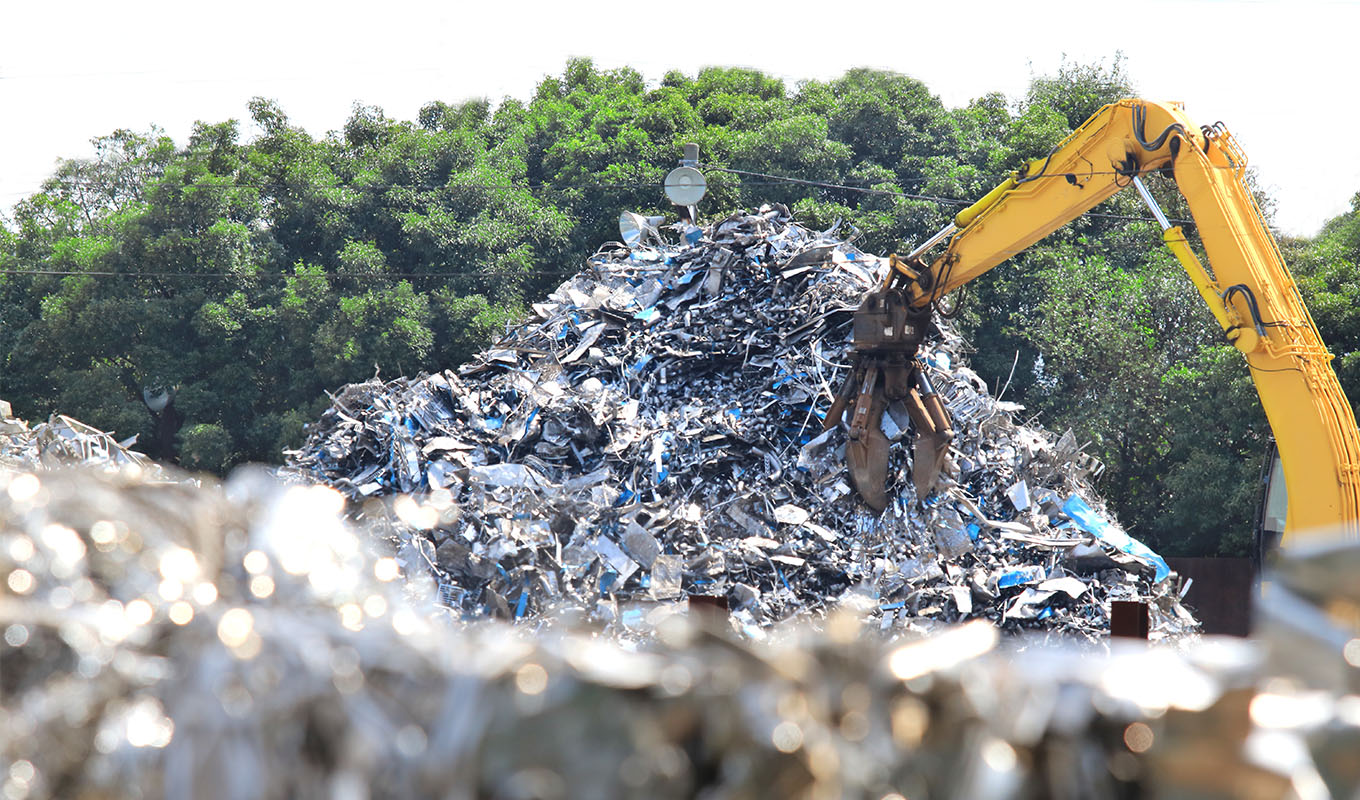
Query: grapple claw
927, 462
934, 432
866, 454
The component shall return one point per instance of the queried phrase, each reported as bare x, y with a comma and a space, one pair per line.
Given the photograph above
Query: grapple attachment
887, 335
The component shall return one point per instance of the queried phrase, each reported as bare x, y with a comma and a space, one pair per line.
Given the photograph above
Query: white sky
1280, 74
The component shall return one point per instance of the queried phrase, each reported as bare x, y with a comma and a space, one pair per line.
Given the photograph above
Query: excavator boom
1250, 290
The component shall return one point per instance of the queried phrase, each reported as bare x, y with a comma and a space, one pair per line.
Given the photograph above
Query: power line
829, 185
366, 275
771, 180
285, 184
935, 198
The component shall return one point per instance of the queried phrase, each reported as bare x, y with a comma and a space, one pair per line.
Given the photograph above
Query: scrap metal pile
234, 642
62, 441
656, 431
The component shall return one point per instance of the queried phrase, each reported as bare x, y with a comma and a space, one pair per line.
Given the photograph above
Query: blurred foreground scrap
239, 641
656, 431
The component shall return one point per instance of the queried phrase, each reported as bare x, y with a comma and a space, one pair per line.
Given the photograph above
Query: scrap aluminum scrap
656, 431
241, 642
62, 441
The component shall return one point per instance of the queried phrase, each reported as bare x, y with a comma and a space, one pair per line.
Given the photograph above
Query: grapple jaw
934, 432
888, 333
866, 454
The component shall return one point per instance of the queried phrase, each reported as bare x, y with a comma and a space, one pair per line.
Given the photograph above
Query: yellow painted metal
1176, 242
1311, 418
899, 267
966, 216
1310, 415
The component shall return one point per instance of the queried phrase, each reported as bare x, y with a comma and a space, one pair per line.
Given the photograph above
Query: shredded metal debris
62, 441
239, 641
656, 431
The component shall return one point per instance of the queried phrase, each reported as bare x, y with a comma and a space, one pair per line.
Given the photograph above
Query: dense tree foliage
250, 275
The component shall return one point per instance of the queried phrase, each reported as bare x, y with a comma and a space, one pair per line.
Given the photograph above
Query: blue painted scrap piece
641, 364
648, 315
973, 532
523, 603
1020, 577
939, 360
1094, 524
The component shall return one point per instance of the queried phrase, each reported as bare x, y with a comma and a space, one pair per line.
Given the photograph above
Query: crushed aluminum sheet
63, 441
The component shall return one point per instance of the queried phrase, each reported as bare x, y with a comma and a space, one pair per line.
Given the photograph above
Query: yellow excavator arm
1250, 290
